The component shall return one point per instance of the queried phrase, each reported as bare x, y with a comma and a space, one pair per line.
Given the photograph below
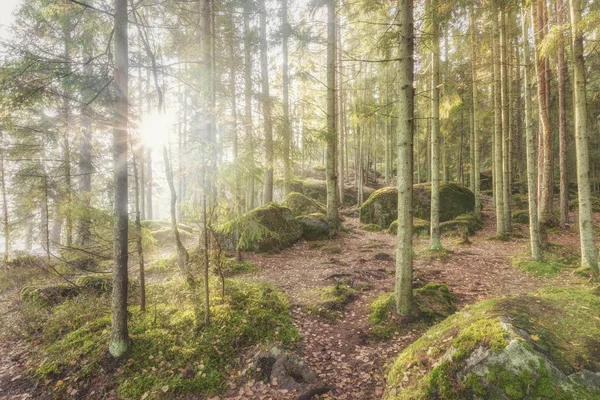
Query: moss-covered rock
381, 207
95, 283
165, 236
315, 226
540, 346
317, 189
49, 295
520, 216
420, 227
302, 205
465, 223
371, 228
268, 227
329, 302
520, 201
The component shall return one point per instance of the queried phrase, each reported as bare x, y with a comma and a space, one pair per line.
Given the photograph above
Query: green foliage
556, 259
171, 348
231, 266
520, 216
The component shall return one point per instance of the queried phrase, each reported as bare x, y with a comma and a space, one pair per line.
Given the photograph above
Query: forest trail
341, 352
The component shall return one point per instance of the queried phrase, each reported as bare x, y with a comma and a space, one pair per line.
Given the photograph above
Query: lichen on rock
302, 205
541, 346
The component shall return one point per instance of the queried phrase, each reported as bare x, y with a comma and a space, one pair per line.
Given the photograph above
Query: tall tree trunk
331, 176
544, 120
86, 169
340, 112
475, 176
505, 104
534, 234
561, 72
403, 292
589, 258
498, 172
435, 242
119, 340
66, 145
149, 184
266, 104
248, 99
287, 162
138, 227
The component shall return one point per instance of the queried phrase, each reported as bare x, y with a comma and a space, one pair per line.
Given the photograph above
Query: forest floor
341, 352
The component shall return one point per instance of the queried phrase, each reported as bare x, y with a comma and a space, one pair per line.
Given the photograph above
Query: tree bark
248, 100
589, 258
561, 68
403, 292
287, 162
534, 234
435, 241
331, 176
119, 340
498, 170
505, 105
475, 175
266, 104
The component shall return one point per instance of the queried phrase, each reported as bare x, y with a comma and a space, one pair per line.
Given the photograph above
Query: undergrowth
172, 351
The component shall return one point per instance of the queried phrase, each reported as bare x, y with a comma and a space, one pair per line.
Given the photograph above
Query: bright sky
7, 8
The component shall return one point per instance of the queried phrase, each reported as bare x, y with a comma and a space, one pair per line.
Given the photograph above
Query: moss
329, 302
539, 268
382, 206
464, 223
420, 227
165, 236
315, 227
95, 283
560, 328
574, 204
231, 266
433, 301
371, 228
520, 216
268, 227
170, 347
49, 295
317, 189
520, 201
302, 205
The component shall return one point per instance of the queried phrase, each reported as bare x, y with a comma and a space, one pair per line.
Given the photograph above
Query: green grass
555, 259
172, 351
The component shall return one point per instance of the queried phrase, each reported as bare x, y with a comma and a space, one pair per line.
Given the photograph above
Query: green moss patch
302, 205
315, 227
231, 266
463, 224
530, 346
574, 204
433, 301
371, 228
172, 351
382, 206
329, 302
556, 259
266, 228
520, 216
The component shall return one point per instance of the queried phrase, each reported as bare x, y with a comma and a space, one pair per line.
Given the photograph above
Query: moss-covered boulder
520, 201
268, 227
317, 189
542, 346
420, 227
315, 226
165, 236
49, 295
464, 223
95, 283
520, 216
371, 228
381, 207
302, 205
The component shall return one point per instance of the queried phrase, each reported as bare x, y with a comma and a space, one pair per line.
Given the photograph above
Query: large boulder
542, 346
268, 227
381, 207
315, 226
302, 205
317, 189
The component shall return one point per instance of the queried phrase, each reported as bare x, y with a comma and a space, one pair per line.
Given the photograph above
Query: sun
155, 128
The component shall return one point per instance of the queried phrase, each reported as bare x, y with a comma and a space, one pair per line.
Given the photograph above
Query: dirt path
340, 352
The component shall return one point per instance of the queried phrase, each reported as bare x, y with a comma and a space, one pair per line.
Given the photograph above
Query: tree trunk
474, 135
561, 69
86, 169
331, 176
435, 242
505, 104
149, 184
498, 171
534, 234
4, 207
403, 292
119, 340
589, 258
340, 113
138, 227
266, 104
544, 120
287, 162
248, 100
